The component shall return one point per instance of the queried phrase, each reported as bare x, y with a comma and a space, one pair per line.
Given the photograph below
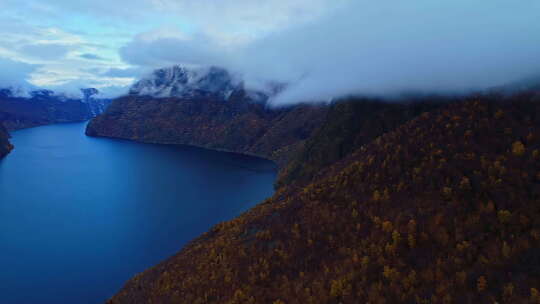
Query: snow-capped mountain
183, 82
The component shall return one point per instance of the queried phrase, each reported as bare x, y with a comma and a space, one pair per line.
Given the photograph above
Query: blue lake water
79, 216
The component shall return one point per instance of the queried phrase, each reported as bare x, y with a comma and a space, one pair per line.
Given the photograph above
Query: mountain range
442, 208
24, 109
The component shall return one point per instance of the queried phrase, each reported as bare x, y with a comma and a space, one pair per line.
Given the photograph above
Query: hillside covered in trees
239, 124
442, 208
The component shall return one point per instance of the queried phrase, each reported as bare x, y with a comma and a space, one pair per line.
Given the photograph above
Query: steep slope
444, 209
348, 125
5, 145
45, 107
239, 124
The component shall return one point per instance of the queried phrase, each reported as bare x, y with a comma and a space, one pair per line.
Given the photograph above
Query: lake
79, 216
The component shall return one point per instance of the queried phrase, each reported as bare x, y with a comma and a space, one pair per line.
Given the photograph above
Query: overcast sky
323, 48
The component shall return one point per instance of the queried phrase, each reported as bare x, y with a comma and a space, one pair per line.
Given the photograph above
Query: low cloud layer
376, 48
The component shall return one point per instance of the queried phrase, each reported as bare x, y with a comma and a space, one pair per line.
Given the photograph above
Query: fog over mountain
322, 49
377, 48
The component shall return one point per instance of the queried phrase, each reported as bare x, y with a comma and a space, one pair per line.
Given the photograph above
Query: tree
481, 284
518, 148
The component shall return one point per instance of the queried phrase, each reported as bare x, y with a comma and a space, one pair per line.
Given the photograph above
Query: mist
378, 48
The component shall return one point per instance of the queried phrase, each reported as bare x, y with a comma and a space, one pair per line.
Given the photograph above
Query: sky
322, 48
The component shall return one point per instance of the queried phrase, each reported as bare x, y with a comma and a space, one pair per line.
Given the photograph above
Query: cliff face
444, 208
5, 145
238, 124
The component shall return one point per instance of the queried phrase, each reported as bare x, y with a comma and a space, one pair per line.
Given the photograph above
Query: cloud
45, 51
55, 33
322, 48
244, 20
15, 73
90, 56
390, 47
73, 88
161, 48
376, 48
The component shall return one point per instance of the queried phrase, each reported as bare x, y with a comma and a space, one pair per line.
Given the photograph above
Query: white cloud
161, 48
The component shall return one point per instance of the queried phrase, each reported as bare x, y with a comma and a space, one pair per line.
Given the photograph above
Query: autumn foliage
443, 209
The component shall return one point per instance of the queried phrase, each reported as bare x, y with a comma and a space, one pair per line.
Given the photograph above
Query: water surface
79, 215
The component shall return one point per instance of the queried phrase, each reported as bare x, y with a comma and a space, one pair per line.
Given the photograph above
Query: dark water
79, 216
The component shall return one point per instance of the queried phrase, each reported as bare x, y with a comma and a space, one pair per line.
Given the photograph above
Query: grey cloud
89, 56
378, 48
170, 50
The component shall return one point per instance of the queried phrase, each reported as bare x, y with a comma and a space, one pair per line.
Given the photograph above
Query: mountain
208, 108
5, 145
183, 82
19, 109
427, 200
442, 208
182, 106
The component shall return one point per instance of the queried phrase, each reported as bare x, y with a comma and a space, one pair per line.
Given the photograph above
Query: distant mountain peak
95, 106
184, 82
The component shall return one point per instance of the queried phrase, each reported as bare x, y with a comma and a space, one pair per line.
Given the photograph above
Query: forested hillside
349, 124
238, 125
443, 209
